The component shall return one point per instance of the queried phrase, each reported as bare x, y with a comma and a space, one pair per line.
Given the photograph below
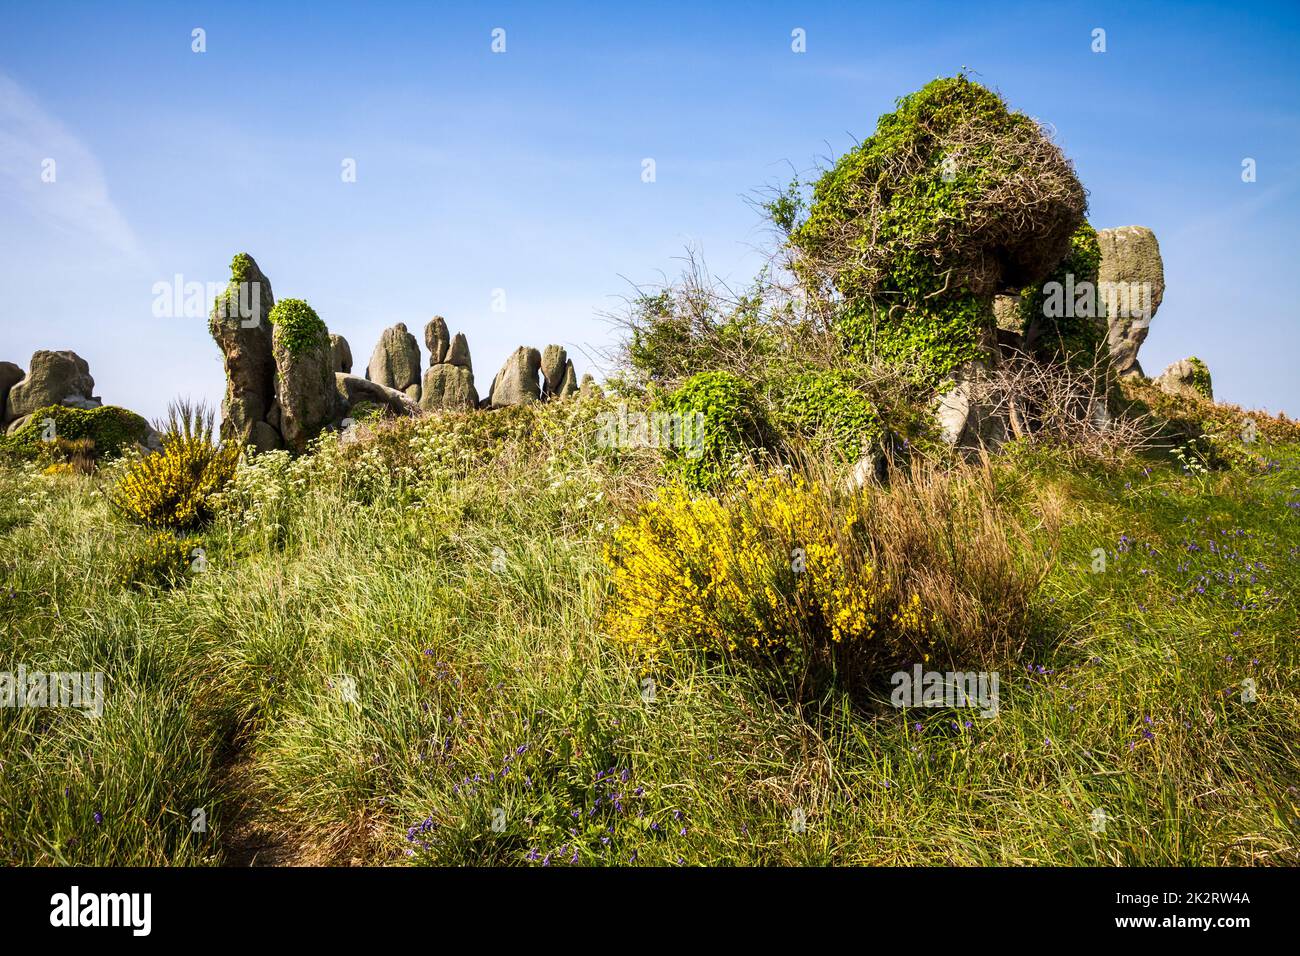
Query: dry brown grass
945, 534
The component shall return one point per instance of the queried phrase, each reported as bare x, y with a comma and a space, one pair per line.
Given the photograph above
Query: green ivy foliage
225, 307
827, 407
1200, 379
297, 328
734, 425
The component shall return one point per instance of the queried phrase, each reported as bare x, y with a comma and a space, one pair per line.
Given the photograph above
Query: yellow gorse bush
775, 572
170, 488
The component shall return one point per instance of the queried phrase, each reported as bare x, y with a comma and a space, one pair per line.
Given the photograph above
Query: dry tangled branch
1044, 402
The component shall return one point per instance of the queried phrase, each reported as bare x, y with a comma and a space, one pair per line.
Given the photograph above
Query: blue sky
521, 171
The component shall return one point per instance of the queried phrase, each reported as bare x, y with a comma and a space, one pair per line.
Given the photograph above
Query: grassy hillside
395, 650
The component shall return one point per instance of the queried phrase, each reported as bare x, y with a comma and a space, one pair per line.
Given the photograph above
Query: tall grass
397, 657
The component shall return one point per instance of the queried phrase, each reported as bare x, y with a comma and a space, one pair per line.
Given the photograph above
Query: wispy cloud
77, 202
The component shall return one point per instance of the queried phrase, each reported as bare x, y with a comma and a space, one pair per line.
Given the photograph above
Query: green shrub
110, 428
734, 425
827, 407
697, 325
367, 411
297, 328
171, 488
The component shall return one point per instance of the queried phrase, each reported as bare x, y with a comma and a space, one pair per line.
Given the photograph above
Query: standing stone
342, 354
1189, 378
516, 383
1131, 286
968, 416
554, 358
448, 387
395, 362
55, 378
437, 338
569, 385
458, 353
588, 389
305, 382
240, 327
10, 375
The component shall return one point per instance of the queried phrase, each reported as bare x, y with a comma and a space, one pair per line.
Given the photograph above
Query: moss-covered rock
1189, 376
238, 324
304, 372
296, 328
110, 428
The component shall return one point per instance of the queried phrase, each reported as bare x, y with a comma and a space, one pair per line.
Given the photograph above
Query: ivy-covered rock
954, 199
305, 377
1188, 377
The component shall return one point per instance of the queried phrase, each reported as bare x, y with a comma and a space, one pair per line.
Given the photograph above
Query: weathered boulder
869, 469
353, 390
53, 378
554, 361
109, 429
1008, 313
458, 352
448, 387
970, 414
10, 375
1131, 286
1189, 377
588, 389
342, 354
80, 401
569, 384
437, 338
245, 343
265, 437
516, 383
304, 373
395, 363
